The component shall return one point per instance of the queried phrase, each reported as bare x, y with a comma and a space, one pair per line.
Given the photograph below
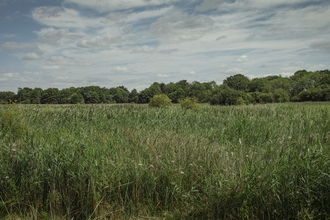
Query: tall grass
130, 161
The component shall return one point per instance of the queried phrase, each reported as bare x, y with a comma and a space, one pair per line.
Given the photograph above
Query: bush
240, 101
161, 100
189, 103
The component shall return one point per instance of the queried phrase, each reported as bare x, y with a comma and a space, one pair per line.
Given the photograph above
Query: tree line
235, 90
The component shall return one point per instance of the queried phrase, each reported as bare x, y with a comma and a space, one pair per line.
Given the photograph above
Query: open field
134, 162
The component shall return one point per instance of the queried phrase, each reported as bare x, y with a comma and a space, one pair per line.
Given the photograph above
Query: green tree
36, 96
177, 95
259, 84
121, 95
50, 96
146, 94
238, 82
133, 96
224, 95
24, 94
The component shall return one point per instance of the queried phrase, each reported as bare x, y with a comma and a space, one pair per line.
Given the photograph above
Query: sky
109, 43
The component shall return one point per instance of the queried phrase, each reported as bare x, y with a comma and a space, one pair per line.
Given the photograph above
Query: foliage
161, 100
302, 86
238, 82
224, 95
189, 103
240, 101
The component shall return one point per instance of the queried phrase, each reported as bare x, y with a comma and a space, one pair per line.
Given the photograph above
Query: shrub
161, 100
189, 103
240, 101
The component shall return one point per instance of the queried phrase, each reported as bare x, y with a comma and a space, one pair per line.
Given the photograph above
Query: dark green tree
133, 96
259, 84
238, 82
36, 96
50, 96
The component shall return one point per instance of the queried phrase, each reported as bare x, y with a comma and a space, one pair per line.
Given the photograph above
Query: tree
238, 82
177, 95
224, 95
133, 97
146, 94
121, 95
259, 84
36, 96
50, 96
24, 94
7, 97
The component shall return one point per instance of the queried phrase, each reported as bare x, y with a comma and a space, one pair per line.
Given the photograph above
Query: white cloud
60, 60
31, 57
285, 74
162, 76
53, 36
192, 73
243, 58
208, 5
49, 68
321, 45
64, 18
10, 75
180, 26
221, 37
18, 46
318, 67
144, 49
115, 5
99, 42
267, 65
233, 71
48, 12
122, 70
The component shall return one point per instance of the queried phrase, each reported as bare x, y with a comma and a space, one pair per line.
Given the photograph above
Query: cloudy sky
64, 43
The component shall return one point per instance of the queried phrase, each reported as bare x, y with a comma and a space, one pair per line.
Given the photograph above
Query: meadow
267, 161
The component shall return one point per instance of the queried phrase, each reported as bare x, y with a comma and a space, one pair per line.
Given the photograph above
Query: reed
131, 161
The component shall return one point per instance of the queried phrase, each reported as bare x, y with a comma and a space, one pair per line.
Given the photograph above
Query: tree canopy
237, 89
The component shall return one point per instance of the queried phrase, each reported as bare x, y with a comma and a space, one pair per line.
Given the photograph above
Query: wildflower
297, 192
225, 170
159, 156
13, 150
247, 155
182, 173
234, 174
259, 177
190, 164
255, 153
49, 170
151, 166
7, 177
172, 161
140, 164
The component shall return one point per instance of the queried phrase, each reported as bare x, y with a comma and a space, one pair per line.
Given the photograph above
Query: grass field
134, 162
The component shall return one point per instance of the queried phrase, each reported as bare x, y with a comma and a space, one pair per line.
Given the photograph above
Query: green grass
135, 162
